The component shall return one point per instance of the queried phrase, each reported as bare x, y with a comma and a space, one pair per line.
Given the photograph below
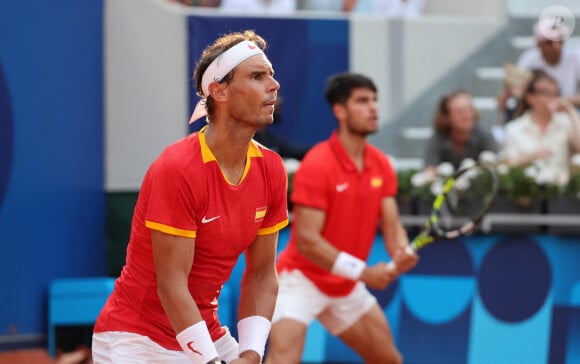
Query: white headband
226, 62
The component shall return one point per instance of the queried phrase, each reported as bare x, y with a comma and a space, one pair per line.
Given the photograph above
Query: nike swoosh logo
205, 220
341, 187
190, 347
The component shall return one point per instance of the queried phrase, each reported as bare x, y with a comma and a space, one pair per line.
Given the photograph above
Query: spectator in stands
327, 5
552, 57
259, 6
546, 127
456, 133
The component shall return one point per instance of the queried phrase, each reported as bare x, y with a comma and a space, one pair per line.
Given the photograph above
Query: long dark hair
523, 104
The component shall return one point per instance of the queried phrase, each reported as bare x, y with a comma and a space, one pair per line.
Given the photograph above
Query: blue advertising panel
480, 299
51, 153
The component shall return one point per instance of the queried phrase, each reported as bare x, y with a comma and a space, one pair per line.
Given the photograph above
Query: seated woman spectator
456, 133
545, 128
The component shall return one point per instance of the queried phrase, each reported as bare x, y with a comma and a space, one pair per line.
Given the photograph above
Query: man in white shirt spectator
552, 57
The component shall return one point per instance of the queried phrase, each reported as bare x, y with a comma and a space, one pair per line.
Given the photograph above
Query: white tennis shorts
128, 348
299, 299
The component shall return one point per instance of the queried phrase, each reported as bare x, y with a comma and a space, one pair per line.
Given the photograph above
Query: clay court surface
40, 356
34, 356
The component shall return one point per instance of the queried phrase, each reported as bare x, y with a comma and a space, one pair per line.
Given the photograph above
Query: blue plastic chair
75, 302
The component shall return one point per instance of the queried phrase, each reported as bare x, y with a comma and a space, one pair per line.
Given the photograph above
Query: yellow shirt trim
208, 156
260, 214
273, 229
170, 230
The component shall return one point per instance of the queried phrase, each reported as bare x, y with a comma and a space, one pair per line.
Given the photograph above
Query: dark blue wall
51, 153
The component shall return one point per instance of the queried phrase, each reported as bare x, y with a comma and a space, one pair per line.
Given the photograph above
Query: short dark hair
218, 47
340, 86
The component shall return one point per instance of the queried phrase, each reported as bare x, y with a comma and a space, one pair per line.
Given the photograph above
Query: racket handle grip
409, 249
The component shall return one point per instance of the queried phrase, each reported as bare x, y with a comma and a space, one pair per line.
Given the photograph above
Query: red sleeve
309, 186
171, 206
277, 214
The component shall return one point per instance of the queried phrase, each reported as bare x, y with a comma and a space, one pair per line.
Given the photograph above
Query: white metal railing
498, 219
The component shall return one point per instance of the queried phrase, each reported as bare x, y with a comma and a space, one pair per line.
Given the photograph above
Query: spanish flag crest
260, 213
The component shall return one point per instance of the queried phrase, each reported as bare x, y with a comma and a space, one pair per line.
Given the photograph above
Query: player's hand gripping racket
460, 207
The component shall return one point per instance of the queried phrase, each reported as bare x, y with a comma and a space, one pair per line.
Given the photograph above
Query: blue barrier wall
51, 153
483, 299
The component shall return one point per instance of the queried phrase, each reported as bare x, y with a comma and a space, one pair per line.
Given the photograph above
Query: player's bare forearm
173, 256
180, 307
400, 238
396, 238
259, 287
318, 250
258, 294
394, 234
309, 223
403, 256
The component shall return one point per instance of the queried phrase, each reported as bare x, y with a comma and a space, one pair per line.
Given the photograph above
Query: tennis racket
461, 205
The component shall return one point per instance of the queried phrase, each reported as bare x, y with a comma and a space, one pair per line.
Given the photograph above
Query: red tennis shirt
185, 193
327, 179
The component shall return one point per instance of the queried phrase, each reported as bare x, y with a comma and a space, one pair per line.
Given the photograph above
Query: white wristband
253, 332
197, 344
348, 266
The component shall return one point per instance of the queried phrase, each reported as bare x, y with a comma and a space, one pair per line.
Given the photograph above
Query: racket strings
466, 200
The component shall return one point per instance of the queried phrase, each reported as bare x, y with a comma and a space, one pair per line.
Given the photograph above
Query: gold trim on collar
207, 155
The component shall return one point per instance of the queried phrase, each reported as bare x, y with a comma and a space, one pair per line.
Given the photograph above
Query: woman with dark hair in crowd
456, 134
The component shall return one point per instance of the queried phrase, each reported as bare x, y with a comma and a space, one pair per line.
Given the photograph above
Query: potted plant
427, 184
405, 191
518, 191
566, 198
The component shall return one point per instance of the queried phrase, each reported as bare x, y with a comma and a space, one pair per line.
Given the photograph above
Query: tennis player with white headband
207, 198
219, 68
